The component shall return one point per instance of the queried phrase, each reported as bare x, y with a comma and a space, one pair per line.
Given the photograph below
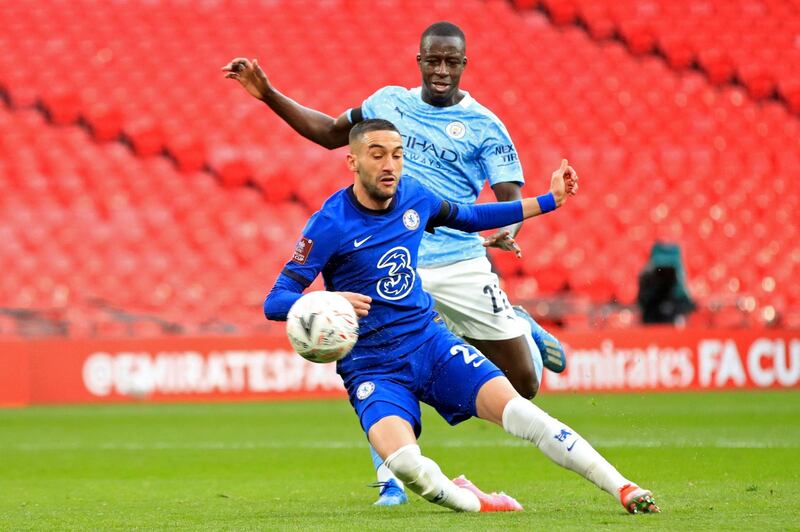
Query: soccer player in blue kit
452, 144
365, 241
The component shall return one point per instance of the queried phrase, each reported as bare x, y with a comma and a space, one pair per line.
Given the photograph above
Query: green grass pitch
715, 461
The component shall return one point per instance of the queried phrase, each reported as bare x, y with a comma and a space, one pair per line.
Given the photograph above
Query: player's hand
249, 74
503, 240
571, 181
360, 302
564, 182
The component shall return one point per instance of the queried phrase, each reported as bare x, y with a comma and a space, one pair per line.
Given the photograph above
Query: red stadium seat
104, 121
598, 20
146, 136
758, 80
550, 280
63, 107
790, 91
561, 11
717, 64
526, 4
234, 173
188, 151
638, 35
677, 50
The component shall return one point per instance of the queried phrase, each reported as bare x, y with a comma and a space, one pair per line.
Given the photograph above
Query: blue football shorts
445, 373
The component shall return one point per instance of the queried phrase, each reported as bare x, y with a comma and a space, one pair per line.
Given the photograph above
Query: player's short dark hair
372, 124
442, 29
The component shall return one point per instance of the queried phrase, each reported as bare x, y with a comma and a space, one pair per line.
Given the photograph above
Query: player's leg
552, 352
469, 298
449, 373
389, 415
392, 492
424, 477
513, 358
394, 440
498, 402
457, 286
513, 351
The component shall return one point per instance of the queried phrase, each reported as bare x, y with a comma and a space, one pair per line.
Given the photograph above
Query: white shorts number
469, 298
475, 357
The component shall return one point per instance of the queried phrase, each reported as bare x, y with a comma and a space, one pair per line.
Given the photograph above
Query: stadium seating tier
100, 227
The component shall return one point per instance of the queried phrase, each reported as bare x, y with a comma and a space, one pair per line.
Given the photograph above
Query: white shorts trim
469, 298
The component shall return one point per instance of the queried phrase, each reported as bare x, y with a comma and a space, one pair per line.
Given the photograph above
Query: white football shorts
469, 298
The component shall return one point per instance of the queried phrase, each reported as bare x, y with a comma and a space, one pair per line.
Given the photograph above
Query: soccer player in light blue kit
365, 241
452, 144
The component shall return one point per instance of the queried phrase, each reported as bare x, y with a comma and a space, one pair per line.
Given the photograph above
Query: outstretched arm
280, 299
287, 290
317, 127
471, 218
504, 238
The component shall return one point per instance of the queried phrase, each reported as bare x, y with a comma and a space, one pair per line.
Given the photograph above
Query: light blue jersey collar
466, 102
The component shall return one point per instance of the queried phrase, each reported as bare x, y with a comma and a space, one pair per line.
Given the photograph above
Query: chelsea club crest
365, 389
411, 219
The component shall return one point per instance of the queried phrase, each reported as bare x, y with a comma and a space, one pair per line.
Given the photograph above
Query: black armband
355, 115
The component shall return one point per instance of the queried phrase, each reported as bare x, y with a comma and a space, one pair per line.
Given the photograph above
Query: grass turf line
714, 461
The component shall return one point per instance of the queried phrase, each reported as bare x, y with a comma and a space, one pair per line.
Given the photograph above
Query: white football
322, 326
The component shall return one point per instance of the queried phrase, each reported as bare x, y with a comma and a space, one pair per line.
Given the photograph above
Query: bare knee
389, 434
525, 383
513, 357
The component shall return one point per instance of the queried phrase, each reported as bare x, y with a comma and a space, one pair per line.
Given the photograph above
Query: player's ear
419, 58
464, 64
351, 162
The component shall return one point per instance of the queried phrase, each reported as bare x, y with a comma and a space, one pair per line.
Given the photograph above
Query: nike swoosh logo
571, 445
357, 243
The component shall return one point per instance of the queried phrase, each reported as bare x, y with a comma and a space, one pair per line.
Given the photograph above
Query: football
322, 326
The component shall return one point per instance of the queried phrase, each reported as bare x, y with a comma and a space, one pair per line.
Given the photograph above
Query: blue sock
384, 474
377, 460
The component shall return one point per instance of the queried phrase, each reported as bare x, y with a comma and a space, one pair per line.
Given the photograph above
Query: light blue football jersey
453, 151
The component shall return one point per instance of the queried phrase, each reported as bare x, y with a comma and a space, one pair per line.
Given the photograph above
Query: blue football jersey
372, 253
453, 151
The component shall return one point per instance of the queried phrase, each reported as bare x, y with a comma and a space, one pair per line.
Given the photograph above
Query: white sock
385, 474
422, 476
561, 444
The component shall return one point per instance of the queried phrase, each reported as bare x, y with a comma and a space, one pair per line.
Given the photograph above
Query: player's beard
376, 192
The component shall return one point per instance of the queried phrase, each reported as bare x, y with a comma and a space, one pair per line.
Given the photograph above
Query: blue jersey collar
351, 196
